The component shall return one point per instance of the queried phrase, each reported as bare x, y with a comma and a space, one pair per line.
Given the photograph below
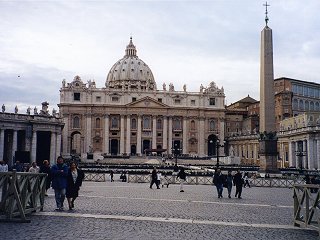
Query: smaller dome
131, 72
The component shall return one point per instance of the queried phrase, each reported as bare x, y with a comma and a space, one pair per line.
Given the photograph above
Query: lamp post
300, 154
176, 152
218, 145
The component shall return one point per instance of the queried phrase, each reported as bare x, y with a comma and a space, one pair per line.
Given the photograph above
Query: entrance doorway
212, 145
114, 146
133, 149
43, 146
145, 145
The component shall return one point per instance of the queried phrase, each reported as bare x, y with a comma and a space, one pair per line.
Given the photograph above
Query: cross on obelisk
266, 19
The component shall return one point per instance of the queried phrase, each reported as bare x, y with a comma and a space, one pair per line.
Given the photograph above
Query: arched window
177, 124
306, 105
98, 123
301, 105
295, 104
114, 122
317, 106
212, 125
76, 122
159, 124
133, 123
311, 106
146, 122
193, 125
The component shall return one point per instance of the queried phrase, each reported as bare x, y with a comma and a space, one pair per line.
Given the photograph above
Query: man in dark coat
154, 178
59, 174
219, 180
238, 182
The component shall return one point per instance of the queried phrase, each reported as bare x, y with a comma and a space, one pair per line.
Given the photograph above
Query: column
58, 148
106, 134
184, 136
1, 143
53, 149
170, 136
65, 133
249, 152
221, 136
139, 136
154, 132
121, 134
305, 157
14, 146
34, 146
128, 135
88, 132
318, 153
310, 154
201, 138
298, 159
165, 134
292, 163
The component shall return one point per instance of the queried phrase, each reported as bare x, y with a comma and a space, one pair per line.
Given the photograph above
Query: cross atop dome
131, 49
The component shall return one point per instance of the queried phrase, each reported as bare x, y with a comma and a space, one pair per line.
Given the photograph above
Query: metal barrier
306, 206
275, 182
95, 177
20, 194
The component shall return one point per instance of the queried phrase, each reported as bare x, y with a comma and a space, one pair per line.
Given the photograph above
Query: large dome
130, 72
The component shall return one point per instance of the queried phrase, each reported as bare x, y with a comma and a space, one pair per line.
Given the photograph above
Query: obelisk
267, 128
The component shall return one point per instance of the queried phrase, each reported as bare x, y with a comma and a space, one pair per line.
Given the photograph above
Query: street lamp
176, 151
218, 145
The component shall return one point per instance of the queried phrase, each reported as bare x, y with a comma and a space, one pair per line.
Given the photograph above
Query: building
30, 137
131, 116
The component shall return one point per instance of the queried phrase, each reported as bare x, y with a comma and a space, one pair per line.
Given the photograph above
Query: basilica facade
130, 115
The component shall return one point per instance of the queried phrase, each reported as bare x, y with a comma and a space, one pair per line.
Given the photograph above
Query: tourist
238, 182
18, 166
34, 168
229, 183
74, 182
218, 181
165, 180
3, 166
246, 180
111, 176
45, 168
59, 173
182, 175
159, 178
154, 178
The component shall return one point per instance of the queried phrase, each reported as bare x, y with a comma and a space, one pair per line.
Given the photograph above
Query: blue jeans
60, 195
219, 189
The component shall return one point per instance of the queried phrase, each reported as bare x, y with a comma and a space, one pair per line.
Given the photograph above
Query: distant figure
45, 168
165, 180
35, 111
154, 178
184, 87
111, 176
159, 178
164, 86
74, 182
238, 182
34, 168
3, 166
218, 180
59, 173
3, 108
183, 177
18, 166
246, 180
229, 183
16, 109
123, 177
28, 110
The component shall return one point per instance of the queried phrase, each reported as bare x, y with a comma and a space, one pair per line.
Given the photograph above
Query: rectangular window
76, 96
193, 102
159, 134
114, 99
98, 99
212, 101
177, 101
134, 99
159, 99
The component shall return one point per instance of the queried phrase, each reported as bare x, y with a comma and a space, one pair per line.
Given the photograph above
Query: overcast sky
183, 42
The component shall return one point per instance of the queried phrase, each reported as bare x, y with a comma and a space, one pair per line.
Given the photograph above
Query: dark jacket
78, 183
59, 179
47, 170
182, 174
154, 175
238, 180
219, 179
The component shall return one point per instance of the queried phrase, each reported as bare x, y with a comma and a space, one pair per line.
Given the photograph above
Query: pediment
147, 102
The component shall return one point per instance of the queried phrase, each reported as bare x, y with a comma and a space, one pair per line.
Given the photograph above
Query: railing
21, 194
306, 206
95, 177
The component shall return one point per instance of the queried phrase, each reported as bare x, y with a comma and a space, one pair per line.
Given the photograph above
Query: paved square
117, 210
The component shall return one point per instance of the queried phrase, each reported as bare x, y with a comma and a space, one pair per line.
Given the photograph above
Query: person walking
158, 178
229, 183
238, 182
45, 168
74, 182
182, 175
59, 173
111, 176
219, 180
154, 178
246, 180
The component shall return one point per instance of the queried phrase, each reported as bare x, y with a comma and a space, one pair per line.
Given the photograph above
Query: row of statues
43, 111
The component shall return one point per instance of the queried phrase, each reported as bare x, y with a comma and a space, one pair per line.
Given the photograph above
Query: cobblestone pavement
119, 210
